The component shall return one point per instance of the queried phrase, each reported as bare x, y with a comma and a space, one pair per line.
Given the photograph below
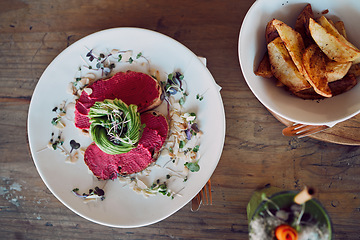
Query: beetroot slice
131, 87
106, 166
156, 121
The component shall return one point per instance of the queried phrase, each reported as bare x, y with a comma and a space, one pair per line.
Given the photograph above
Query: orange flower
285, 232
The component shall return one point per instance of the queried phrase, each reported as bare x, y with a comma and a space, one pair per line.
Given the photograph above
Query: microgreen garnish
119, 57
102, 62
56, 142
130, 60
172, 86
55, 120
138, 55
97, 192
181, 144
199, 97
182, 101
90, 55
196, 148
193, 166
60, 111
161, 188
74, 145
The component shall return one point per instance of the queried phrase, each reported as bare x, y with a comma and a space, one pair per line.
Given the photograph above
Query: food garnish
184, 137
193, 166
115, 126
172, 86
60, 112
56, 143
199, 97
285, 232
93, 194
74, 145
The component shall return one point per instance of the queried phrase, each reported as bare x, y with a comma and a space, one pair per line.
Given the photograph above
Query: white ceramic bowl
252, 47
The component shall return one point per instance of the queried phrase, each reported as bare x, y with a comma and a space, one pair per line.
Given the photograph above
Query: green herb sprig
92, 192
193, 166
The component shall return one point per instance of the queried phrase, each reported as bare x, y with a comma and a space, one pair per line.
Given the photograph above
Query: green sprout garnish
193, 166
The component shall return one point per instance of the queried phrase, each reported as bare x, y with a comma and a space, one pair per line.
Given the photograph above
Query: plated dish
252, 47
122, 206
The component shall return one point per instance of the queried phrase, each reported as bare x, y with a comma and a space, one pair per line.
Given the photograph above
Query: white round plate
252, 46
122, 206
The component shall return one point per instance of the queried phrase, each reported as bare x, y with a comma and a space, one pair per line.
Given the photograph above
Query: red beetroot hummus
131, 87
106, 166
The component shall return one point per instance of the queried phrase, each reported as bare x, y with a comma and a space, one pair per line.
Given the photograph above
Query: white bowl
252, 46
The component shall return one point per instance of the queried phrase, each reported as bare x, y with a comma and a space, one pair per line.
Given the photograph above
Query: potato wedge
264, 68
330, 28
343, 85
340, 26
336, 87
270, 32
355, 70
302, 24
335, 70
283, 67
293, 43
315, 64
334, 48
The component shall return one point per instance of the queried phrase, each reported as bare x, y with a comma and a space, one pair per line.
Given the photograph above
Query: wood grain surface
33, 33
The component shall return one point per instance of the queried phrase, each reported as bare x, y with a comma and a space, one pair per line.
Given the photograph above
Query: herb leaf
74, 145
192, 166
196, 148
182, 101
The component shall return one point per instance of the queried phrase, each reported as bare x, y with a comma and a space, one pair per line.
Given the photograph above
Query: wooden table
33, 33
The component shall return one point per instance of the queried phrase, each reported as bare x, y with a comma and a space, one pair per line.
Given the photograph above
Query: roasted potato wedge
270, 32
355, 70
315, 64
330, 28
293, 43
334, 48
336, 87
340, 26
343, 85
335, 70
302, 24
283, 67
264, 68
